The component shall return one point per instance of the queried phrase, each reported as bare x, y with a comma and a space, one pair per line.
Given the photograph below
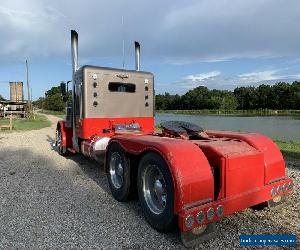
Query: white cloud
260, 76
193, 81
202, 77
217, 80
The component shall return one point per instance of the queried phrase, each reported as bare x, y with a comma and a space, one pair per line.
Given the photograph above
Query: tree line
280, 96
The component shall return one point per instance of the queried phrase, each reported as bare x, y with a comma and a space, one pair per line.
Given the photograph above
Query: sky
220, 44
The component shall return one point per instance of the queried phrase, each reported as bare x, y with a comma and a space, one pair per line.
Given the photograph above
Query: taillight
200, 217
189, 221
220, 210
273, 191
210, 214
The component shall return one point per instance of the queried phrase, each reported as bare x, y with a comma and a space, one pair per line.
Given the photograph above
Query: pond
277, 127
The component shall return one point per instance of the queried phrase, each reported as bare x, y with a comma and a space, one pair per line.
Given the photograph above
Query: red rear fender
273, 160
66, 134
191, 172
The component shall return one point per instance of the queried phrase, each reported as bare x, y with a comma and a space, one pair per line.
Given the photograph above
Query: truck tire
155, 190
60, 148
118, 169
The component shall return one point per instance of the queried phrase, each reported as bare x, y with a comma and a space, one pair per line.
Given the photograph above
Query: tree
53, 91
198, 98
39, 103
265, 97
228, 101
246, 97
295, 95
53, 99
54, 102
2, 98
283, 95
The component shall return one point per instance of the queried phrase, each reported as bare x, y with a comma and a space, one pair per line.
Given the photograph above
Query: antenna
123, 42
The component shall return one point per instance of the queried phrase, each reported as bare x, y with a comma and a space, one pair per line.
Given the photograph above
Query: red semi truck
184, 175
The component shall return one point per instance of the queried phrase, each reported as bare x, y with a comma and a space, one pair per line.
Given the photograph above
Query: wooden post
10, 123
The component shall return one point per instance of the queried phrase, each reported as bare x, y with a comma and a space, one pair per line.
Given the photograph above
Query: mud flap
194, 238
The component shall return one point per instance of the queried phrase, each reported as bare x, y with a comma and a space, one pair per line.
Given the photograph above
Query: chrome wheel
58, 139
156, 194
61, 149
116, 170
154, 189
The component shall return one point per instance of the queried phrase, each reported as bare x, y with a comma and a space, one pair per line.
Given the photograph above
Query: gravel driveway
50, 202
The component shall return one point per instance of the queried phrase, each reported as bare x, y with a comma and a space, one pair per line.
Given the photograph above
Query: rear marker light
279, 189
273, 191
284, 187
189, 221
210, 213
200, 217
220, 210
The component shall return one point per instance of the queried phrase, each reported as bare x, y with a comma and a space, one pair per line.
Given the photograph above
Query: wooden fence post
10, 122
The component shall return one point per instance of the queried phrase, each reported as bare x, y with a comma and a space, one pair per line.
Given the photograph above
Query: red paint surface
191, 172
232, 204
250, 164
246, 163
242, 166
88, 127
274, 163
66, 134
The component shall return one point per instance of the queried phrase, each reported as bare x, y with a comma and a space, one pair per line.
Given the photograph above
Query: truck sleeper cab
183, 175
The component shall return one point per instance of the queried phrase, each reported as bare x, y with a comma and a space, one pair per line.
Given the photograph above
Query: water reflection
277, 127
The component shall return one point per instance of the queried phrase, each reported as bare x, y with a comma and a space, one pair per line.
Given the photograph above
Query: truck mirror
63, 89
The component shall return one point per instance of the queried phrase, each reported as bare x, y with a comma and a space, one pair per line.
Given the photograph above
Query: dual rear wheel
60, 148
154, 184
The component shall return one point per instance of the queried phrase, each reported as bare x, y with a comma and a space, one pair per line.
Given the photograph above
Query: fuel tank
95, 147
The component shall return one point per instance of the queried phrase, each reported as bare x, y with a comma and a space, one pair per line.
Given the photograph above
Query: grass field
60, 114
290, 149
39, 122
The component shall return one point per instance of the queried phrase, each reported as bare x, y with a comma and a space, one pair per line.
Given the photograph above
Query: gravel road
50, 202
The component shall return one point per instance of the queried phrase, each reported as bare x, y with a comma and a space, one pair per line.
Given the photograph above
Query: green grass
233, 112
39, 122
60, 114
290, 149
4, 121
157, 128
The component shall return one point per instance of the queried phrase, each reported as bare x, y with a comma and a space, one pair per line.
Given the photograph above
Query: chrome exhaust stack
74, 58
137, 55
74, 50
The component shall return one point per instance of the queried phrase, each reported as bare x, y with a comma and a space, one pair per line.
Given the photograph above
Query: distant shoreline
260, 112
